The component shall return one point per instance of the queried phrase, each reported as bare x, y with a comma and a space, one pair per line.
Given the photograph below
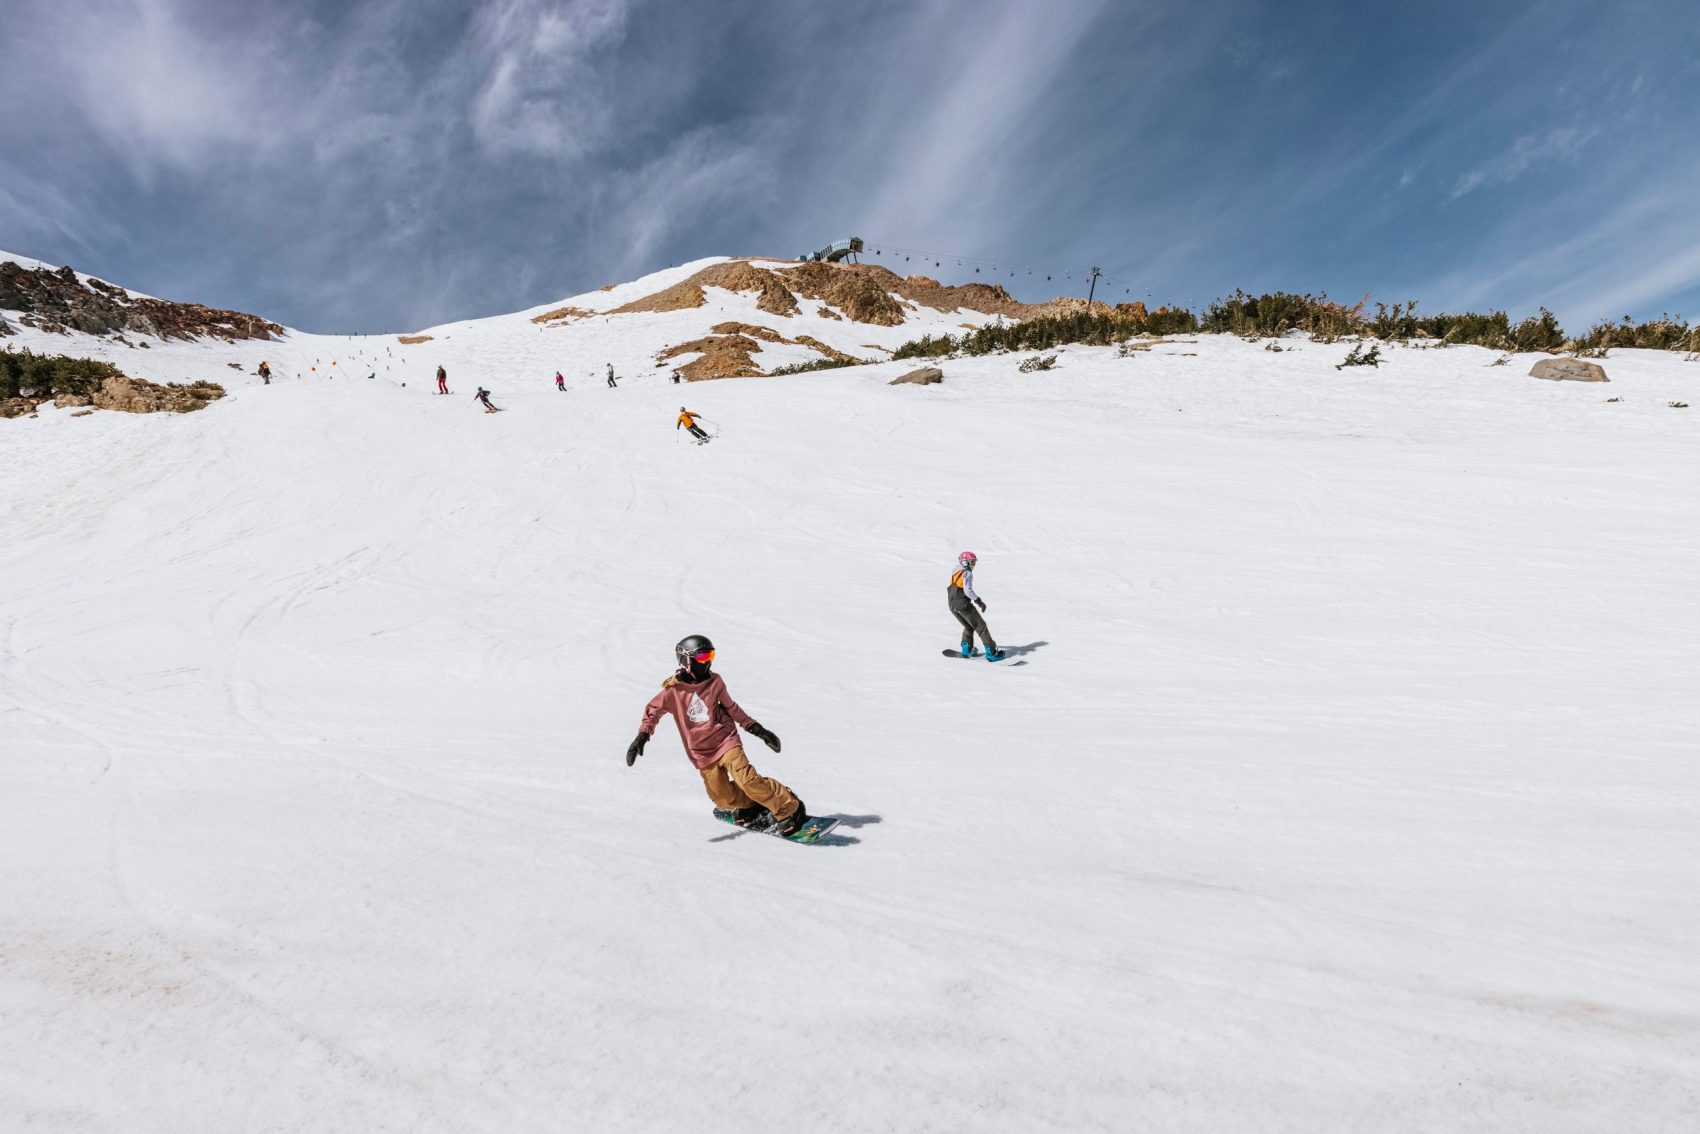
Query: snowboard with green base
810, 832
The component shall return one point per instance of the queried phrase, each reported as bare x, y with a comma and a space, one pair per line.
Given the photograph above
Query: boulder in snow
926, 376
1569, 370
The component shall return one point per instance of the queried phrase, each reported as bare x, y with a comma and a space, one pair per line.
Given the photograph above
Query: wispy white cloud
540, 91
154, 84
396, 162
1525, 153
945, 164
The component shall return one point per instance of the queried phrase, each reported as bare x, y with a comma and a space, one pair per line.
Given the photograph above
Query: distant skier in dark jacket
963, 604
483, 395
688, 420
613, 385
708, 721
442, 380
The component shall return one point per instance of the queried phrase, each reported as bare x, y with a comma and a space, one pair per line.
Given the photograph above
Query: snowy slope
1350, 782
507, 352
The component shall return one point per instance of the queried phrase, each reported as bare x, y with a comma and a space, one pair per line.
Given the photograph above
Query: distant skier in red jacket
708, 721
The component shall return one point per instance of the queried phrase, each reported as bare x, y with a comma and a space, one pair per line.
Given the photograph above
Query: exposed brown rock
723, 356
866, 293
733, 275
730, 351
58, 302
412, 340
859, 294
767, 334
137, 395
562, 313
830, 352
17, 407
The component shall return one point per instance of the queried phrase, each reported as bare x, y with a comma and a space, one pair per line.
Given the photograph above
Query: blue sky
381, 165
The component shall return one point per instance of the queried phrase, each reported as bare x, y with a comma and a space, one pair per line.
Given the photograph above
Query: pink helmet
967, 559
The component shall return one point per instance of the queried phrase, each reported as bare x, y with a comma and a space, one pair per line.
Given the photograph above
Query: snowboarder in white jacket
968, 608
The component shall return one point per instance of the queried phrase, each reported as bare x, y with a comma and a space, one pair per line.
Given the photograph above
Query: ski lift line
1130, 288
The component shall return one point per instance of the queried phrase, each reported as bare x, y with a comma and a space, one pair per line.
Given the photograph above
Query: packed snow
1349, 780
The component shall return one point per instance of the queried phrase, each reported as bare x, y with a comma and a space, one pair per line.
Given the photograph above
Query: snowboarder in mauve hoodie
708, 721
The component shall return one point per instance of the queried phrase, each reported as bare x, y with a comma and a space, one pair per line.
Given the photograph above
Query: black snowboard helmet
696, 654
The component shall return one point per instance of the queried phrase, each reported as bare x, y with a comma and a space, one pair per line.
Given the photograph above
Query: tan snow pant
732, 783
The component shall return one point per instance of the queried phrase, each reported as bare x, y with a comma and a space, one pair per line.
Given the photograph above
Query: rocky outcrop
58, 302
558, 315
137, 395
866, 293
861, 296
729, 352
722, 356
28, 380
733, 275
926, 376
1569, 370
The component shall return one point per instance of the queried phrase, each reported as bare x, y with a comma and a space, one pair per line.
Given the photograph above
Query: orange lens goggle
703, 656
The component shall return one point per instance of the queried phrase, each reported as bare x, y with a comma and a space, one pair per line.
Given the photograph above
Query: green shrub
1538, 333
24, 374
1358, 357
817, 364
1088, 327
1171, 321
1273, 314
1667, 332
1038, 362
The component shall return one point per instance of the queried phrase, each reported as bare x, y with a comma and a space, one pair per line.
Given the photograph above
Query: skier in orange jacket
688, 420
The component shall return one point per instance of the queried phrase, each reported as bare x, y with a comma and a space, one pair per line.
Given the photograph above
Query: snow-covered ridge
517, 347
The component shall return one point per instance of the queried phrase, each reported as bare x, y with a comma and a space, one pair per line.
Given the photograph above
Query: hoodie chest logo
696, 711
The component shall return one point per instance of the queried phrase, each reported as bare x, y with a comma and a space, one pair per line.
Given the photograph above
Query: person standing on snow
688, 420
963, 601
442, 380
613, 385
708, 721
483, 395
560, 382
266, 372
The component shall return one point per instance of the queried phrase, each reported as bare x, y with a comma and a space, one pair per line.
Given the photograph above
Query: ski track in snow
1351, 782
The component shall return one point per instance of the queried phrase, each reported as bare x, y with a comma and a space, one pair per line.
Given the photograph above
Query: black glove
981, 603
636, 749
764, 736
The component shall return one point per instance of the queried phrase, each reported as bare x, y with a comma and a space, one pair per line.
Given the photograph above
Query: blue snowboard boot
995, 654
968, 650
